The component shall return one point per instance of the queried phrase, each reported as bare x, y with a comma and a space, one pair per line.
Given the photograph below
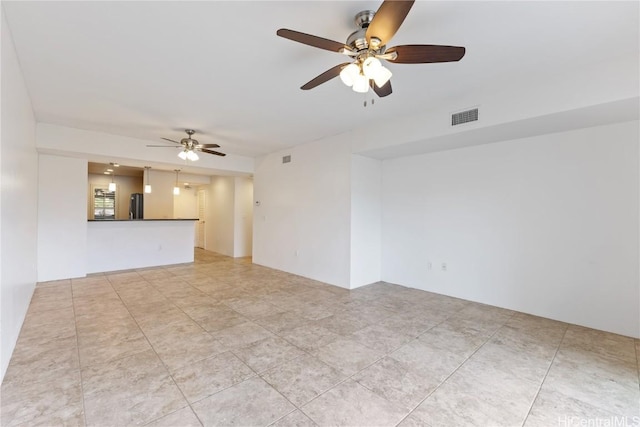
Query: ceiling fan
367, 46
190, 146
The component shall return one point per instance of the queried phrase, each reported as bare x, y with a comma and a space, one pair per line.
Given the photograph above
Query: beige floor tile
295, 419
302, 379
251, 403
412, 421
350, 404
599, 342
310, 336
56, 401
314, 310
526, 361
178, 350
479, 394
382, 338
137, 333
208, 376
184, 417
88, 287
556, 409
343, 323
280, 322
100, 343
267, 353
409, 374
604, 382
42, 327
241, 335
130, 391
258, 309
347, 355
460, 340
41, 362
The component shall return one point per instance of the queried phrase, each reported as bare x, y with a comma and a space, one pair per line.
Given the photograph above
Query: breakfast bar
126, 244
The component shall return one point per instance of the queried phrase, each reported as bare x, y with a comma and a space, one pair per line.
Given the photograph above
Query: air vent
464, 117
286, 159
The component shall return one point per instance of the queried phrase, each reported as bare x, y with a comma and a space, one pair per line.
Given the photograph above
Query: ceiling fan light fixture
192, 155
361, 84
371, 66
382, 76
183, 155
349, 74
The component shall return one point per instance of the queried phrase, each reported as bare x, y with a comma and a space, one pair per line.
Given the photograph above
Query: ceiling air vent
464, 117
286, 159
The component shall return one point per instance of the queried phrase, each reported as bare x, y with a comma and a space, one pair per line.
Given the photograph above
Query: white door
201, 214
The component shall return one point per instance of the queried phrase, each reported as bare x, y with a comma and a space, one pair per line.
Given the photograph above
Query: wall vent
464, 117
286, 159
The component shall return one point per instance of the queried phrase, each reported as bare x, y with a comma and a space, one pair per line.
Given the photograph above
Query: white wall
18, 199
302, 224
159, 203
62, 218
219, 218
243, 217
122, 245
185, 205
545, 225
366, 225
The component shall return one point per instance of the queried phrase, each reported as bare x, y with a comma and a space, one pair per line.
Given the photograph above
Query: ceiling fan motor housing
358, 40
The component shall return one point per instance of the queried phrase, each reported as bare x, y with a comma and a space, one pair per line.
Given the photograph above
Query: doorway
200, 232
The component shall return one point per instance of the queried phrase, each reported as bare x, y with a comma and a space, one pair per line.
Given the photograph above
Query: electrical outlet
443, 267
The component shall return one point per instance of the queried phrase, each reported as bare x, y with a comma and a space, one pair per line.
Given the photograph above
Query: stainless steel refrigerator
136, 206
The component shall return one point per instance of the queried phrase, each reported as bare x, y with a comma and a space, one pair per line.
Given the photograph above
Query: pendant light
112, 184
176, 189
147, 186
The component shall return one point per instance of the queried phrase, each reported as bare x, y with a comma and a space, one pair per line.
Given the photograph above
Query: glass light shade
361, 84
183, 155
382, 76
370, 67
349, 74
147, 189
112, 186
176, 191
192, 155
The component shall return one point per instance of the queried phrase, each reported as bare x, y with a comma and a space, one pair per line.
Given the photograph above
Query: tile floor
224, 342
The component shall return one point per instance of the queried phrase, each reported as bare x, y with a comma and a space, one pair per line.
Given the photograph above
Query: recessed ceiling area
101, 168
149, 70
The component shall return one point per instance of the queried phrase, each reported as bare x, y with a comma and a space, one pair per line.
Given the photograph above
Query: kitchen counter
114, 245
150, 219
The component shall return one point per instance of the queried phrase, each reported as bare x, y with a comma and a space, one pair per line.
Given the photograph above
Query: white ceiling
151, 69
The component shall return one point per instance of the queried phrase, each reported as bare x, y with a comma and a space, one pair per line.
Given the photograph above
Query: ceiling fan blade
310, 40
165, 146
204, 150
324, 77
383, 91
425, 53
208, 146
170, 140
387, 20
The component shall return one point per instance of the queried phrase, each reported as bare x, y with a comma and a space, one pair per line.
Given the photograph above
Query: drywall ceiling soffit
150, 69
597, 115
